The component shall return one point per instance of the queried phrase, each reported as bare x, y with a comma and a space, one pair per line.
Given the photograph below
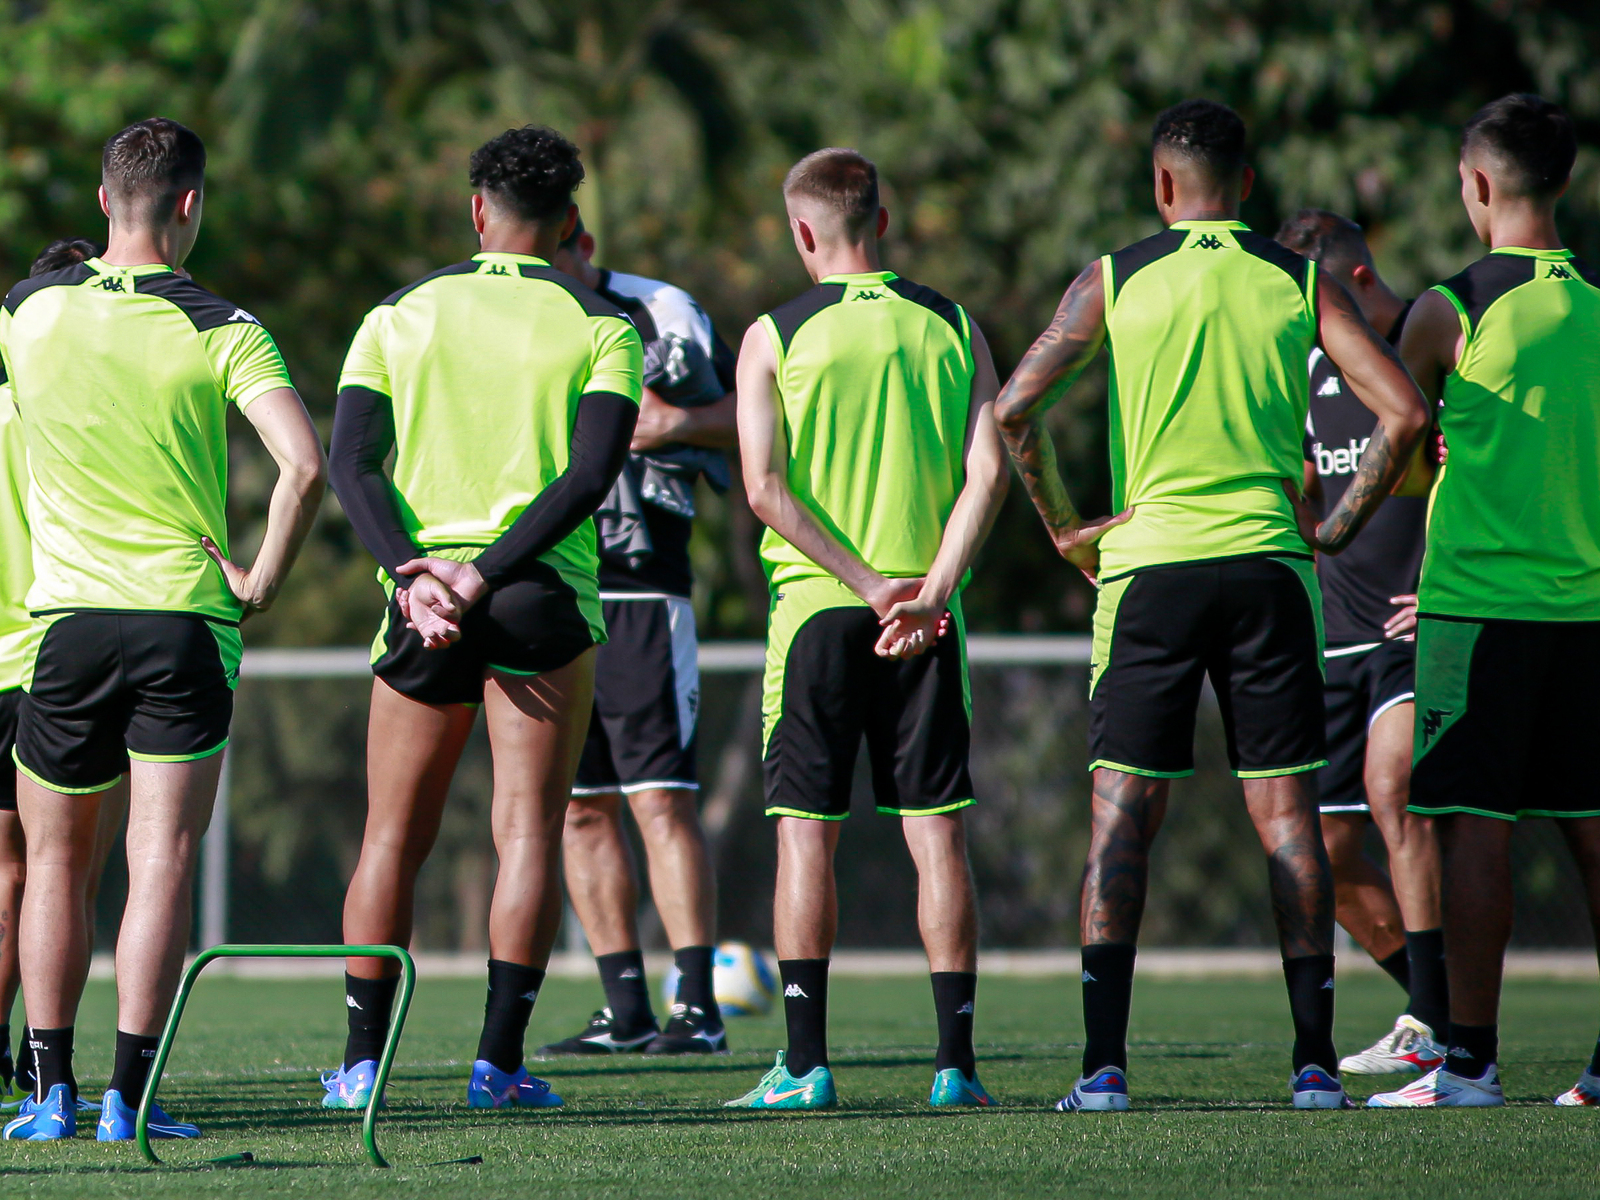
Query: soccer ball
741, 977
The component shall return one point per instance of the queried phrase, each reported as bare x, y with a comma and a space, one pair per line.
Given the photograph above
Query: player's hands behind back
439, 597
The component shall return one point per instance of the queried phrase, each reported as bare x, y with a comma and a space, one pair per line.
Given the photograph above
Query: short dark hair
533, 171
1530, 138
64, 252
1326, 237
1209, 134
153, 162
844, 180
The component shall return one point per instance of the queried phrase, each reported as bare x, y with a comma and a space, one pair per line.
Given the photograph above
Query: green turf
1209, 1070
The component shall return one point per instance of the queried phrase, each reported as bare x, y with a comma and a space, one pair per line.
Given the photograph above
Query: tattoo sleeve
1055, 359
1376, 474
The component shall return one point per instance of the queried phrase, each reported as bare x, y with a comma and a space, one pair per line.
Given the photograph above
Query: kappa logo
350, 1002
530, 997
1088, 978
630, 973
239, 314
870, 294
1432, 720
1330, 386
110, 283
1557, 271
1208, 241
965, 1009
795, 991
497, 269
1327, 987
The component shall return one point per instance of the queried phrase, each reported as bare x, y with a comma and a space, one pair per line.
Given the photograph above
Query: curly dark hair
1205, 132
532, 170
64, 252
1531, 138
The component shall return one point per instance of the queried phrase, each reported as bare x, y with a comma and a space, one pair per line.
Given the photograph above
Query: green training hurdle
408, 983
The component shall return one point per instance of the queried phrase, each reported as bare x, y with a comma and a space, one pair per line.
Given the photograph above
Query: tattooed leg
1284, 809
1126, 812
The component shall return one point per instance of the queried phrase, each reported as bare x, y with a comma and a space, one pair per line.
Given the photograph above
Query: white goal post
716, 657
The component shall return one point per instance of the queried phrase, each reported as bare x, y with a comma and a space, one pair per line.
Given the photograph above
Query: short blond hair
843, 180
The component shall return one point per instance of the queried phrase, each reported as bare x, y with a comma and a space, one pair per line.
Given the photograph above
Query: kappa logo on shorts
1431, 720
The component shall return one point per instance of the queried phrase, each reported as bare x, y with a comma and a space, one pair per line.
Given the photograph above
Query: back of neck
1524, 226
845, 260
137, 246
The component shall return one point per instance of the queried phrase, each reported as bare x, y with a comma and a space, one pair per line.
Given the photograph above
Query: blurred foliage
1012, 139
1011, 134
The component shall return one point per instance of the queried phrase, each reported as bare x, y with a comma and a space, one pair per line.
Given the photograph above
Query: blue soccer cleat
779, 1089
1312, 1087
351, 1087
1104, 1091
56, 1116
118, 1120
952, 1089
490, 1087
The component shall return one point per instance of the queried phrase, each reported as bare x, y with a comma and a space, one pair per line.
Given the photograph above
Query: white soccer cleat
1583, 1094
1440, 1089
1408, 1047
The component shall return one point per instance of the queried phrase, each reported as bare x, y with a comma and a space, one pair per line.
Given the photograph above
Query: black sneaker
690, 1030
601, 1037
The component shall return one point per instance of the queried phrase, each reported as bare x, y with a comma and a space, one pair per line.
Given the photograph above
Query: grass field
1209, 1070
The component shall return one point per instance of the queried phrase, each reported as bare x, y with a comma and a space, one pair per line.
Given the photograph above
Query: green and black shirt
1514, 526
875, 384
1209, 326
122, 377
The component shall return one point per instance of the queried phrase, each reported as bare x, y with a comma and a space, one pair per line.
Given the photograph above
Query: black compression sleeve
363, 435
600, 436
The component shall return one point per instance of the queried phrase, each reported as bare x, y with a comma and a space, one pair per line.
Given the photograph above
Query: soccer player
869, 449
16, 635
1508, 637
1369, 608
507, 393
641, 742
1206, 568
123, 371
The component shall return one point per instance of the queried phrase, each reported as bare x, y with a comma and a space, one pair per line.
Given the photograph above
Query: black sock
627, 994
1430, 989
1473, 1049
1310, 980
954, 995
24, 1061
512, 990
8, 1067
135, 1055
1398, 965
52, 1060
805, 1010
1594, 1061
368, 1006
694, 981
1107, 995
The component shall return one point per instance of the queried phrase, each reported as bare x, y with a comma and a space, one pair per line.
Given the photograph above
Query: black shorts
110, 686
1250, 624
1506, 718
825, 688
526, 627
646, 699
1363, 683
9, 702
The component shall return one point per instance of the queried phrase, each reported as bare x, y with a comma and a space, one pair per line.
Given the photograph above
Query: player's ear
804, 235
1246, 182
1481, 186
105, 201
1166, 189
1364, 276
586, 245
570, 223
477, 211
188, 204
883, 220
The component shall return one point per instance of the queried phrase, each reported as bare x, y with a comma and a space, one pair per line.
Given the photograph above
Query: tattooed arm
1375, 373
1046, 371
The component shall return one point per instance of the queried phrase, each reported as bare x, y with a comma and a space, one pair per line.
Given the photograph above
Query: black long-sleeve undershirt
363, 436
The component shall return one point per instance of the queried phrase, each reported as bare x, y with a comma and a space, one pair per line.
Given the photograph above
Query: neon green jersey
484, 363
1514, 525
16, 553
122, 377
875, 382
1209, 327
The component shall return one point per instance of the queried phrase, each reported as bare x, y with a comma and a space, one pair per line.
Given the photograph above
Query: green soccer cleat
779, 1089
952, 1089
